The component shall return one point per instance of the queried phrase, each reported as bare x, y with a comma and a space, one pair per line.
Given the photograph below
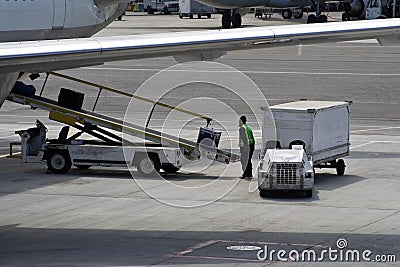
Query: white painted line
375, 142
375, 129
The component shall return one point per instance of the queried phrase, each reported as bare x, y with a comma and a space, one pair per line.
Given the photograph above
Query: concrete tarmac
208, 217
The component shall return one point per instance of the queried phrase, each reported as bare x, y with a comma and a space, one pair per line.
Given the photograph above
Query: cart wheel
170, 168
309, 193
180, 16
147, 165
209, 15
83, 167
190, 16
263, 193
340, 167
58, 161
198, 16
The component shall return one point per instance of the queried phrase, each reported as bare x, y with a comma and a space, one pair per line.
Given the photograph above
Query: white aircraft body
26, 45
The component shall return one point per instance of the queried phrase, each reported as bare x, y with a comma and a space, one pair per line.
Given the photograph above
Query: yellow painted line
375, 129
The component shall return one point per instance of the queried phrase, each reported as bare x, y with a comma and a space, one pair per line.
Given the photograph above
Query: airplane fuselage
23, 20
236, 4
29, 20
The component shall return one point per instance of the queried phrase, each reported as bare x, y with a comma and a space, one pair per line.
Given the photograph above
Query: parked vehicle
164, 6
189, 8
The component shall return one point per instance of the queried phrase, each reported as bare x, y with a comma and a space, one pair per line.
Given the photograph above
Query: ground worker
246, 144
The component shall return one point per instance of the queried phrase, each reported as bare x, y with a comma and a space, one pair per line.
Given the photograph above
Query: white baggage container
322, 127
188, 8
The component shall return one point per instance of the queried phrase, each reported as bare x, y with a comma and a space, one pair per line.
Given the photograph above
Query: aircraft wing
48, 55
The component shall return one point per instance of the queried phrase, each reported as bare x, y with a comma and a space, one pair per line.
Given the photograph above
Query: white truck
320, 128
189, 8
164, 6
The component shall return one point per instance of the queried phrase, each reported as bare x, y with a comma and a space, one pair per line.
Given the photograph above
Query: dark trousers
246, 153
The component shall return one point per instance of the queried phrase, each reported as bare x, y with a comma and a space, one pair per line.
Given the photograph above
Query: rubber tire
226, 21
144, 159
191, 16
346, 17
198, 16
170, 168
309, 193
150, 11
299, 15
287, 14
82, 167
165, 11
340, 167
311, 19
59, 161
263, 193
180, 16
236, 20
323, 19
119, 18
209, 15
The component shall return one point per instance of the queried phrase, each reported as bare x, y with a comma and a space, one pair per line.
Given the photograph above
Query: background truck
165, 6
321, 128
189, 8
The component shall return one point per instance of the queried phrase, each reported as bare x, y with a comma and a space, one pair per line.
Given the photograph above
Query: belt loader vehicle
309, 135
164, 151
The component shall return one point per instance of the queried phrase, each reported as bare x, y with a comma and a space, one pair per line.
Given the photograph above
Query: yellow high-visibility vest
249, 135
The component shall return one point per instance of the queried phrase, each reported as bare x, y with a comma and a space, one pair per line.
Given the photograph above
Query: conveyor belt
73, 118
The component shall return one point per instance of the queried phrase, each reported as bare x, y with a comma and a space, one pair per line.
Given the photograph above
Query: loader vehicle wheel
148, 165
309, 193
287, 14
340, 167
58, 161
